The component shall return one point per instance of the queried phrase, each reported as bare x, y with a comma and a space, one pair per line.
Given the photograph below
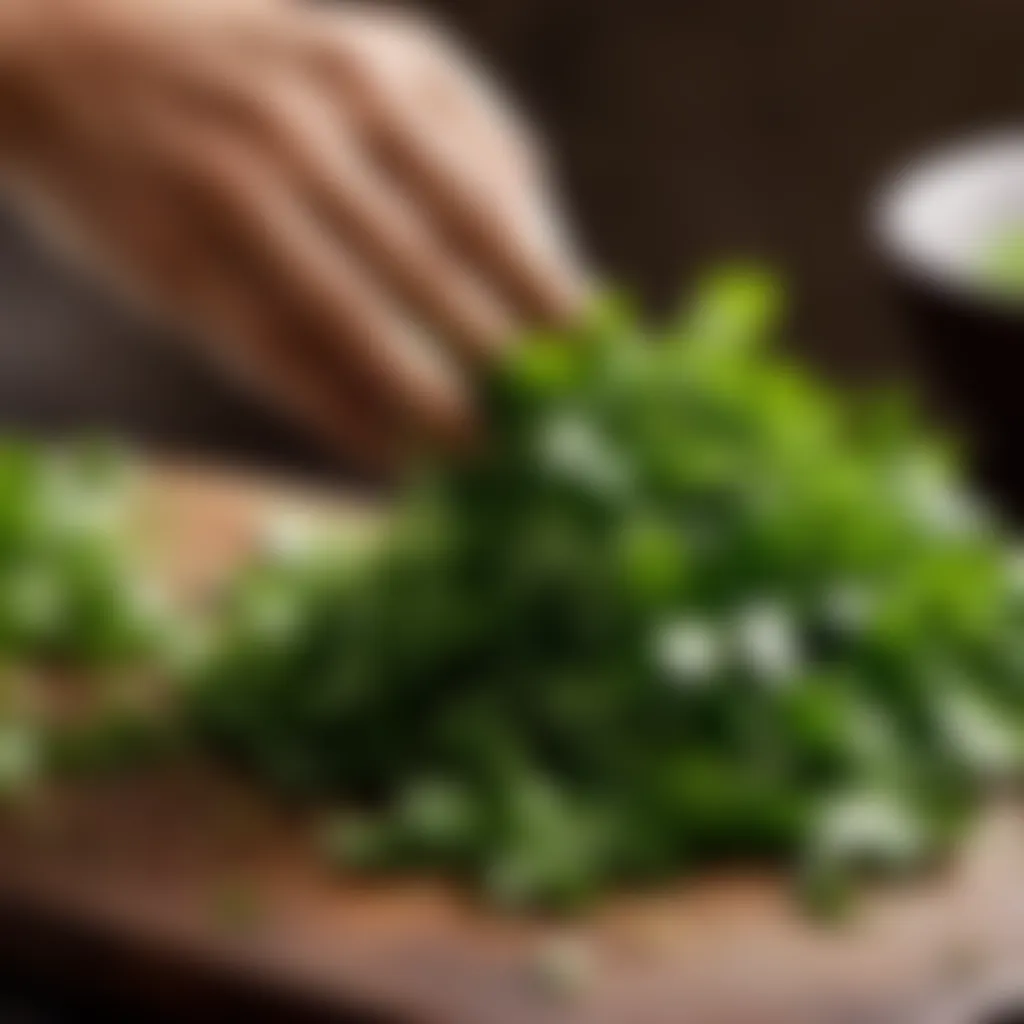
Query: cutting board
187, 894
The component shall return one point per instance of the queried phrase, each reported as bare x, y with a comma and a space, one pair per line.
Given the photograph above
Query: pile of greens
688, 605
71, 588
73, 597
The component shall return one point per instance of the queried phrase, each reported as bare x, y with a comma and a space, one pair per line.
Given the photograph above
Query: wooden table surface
191, 897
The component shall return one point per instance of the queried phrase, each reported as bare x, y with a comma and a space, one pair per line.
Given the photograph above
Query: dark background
684, 130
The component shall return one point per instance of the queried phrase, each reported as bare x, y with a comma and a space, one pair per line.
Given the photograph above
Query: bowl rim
891, 227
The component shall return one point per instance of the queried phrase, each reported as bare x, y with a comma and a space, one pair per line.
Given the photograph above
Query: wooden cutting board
183, 892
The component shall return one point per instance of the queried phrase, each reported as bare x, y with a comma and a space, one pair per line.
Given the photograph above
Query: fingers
452, 176
274, 362
511, 171
505, 238
387, 231
371, 339
309, 137
354, 237
492, 126
140, 239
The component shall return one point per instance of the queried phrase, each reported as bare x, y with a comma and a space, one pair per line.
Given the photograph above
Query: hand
333, 200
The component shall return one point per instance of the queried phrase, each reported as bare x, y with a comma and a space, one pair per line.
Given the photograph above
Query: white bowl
937, 216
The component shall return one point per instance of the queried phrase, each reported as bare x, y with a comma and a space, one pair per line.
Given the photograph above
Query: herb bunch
72, 589
82, 628
688, 605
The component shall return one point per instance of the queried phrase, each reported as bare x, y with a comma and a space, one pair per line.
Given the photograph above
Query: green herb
69, 590
689, 605
75, 611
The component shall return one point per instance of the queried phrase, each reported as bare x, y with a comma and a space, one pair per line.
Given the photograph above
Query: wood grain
191, 897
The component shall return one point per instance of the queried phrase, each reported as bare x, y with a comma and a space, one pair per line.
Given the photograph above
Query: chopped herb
688, 604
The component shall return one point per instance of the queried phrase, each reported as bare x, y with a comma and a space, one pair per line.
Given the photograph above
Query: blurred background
683, 130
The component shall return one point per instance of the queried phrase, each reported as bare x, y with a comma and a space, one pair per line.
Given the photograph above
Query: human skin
334, 201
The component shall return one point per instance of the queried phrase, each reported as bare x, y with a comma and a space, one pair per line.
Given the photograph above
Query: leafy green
688, 605
75, 601
70, 589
